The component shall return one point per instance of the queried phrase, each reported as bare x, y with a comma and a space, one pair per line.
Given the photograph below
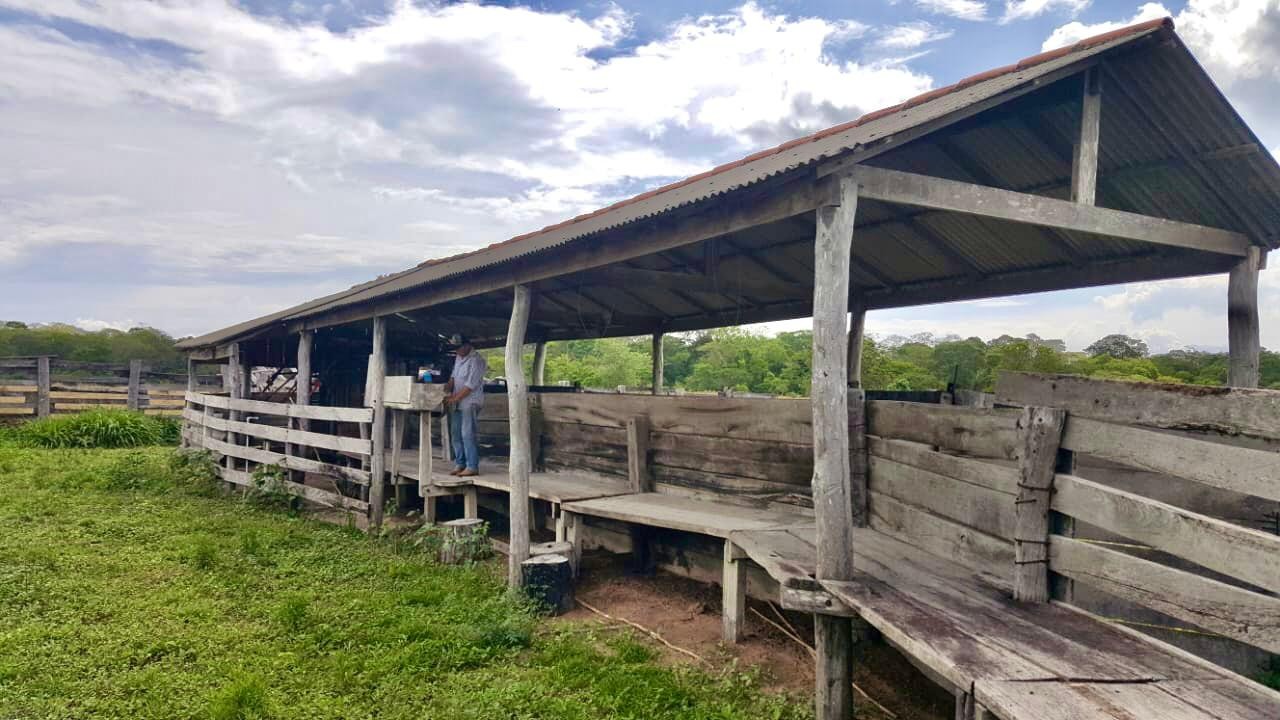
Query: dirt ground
687, 614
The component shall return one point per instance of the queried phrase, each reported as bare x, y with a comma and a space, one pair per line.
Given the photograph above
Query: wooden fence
33, 387
248, 434
947, 479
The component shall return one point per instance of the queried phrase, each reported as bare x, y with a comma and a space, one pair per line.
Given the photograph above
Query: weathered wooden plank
120, 397
14, 400
1242, 553
659, 363
744, 418
1040, 431
42, 387
1234, 698
18, 388
17, 411
1230, 411
985, 433
638, 472
135, 383
788, 555
59, 406
953, 196
221, 402
291, 462
335, 414
988, 475
164, 412
942, 537
375, 377
316, 495
1084, 164
1237, 613
716, 519
1243, 339
1238, 469
973, 505
165, 403
733, 585
1083, 701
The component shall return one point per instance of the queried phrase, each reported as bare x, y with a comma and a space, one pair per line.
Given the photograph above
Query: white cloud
912, 35
1073, 32
960, 9
1025, 9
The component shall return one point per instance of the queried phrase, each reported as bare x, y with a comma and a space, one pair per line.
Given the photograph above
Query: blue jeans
463, 431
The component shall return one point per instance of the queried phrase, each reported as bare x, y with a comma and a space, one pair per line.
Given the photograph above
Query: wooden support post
733, 587
859, 473
424, 458
1061, 587
42, 386
470, 502
302, 379
857, 324
398, 418
1084, 163
446, 436
540, 363
518, 420
638, 473
1040, 429
833, 636
570, 531
193, 383
235, 388
658, 364
378, 432
134, 401
1243, 330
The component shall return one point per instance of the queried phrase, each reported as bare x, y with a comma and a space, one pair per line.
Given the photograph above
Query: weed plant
106, 428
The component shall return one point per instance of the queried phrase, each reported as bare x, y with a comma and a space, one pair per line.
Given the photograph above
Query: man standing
466, 397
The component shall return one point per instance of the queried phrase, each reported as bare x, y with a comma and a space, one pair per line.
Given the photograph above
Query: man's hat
459, 340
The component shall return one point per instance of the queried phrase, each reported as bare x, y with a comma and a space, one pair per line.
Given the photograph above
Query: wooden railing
947, 479
42, 386
1219, 438
247, 434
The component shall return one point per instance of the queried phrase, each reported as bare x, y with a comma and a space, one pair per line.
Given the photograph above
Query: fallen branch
645, 630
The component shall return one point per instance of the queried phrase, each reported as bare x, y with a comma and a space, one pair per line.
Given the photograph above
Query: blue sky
187, 165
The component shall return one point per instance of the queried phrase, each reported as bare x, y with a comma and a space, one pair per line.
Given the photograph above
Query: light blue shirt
469, 372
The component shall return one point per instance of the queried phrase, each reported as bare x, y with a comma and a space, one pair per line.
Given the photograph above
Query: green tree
1118, 346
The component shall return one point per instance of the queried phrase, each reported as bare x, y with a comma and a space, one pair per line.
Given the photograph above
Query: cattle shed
949, 530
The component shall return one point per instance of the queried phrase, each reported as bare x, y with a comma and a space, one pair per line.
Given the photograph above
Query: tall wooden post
518, 417
302, 380
193, 382
235, 388
833, 636
1041, 433
1243, 340
1084, 162
134, 398
540, 363
42, 386
857, 323
658, 364
378, 433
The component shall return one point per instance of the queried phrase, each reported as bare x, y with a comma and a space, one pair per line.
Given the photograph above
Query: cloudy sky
190, 164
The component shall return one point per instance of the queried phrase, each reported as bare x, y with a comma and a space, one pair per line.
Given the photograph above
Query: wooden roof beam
949, 195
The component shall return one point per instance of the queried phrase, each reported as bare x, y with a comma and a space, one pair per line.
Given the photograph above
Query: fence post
135, 384
1041, 433
42, 386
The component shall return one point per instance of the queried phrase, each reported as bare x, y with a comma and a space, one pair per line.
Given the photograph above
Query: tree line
741, 360
735, 359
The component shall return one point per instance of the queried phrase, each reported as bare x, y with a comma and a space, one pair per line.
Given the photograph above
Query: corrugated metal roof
972, 236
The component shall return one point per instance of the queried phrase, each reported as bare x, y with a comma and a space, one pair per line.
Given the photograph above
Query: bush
107, 428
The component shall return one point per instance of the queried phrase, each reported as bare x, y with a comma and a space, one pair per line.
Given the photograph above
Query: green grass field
130, 588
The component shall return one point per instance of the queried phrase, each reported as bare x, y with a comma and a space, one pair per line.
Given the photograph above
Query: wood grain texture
1228, 610
42, 387
316, 495
705, 517
988, 475
1248, 555
953, 196
518, 417
973, 505
1243, 339
1230, 411
942, 537
638, 471
376, 374
744, 418
983, 433
1040, 432
1238, 469
291, 462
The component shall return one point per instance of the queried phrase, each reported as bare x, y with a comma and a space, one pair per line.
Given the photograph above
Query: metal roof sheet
832, 142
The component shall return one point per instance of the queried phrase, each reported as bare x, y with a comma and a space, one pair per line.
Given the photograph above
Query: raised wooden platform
555, 487
678, 512
1017, 660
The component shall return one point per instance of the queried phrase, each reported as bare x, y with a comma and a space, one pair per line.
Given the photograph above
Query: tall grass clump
107, 428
